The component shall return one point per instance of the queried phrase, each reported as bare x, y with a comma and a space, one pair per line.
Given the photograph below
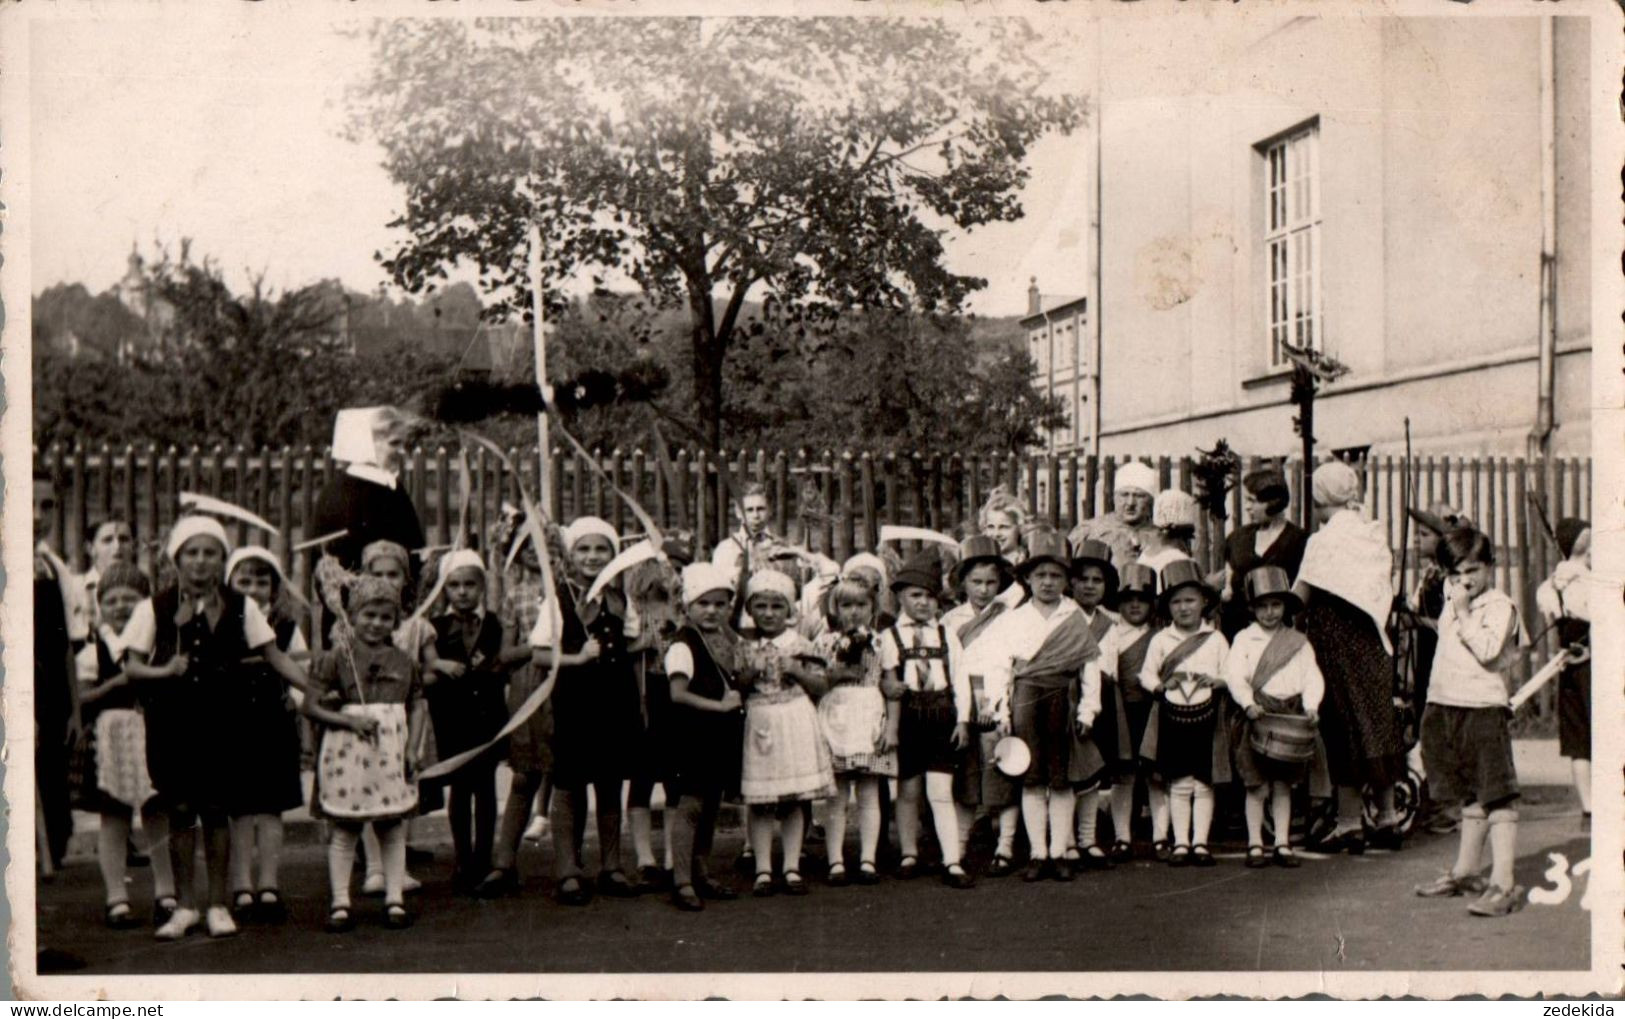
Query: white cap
1174, 508
257, 553
699, 579
771, 582
187, 528
1135, 475
866, 560
584, 527
462, 558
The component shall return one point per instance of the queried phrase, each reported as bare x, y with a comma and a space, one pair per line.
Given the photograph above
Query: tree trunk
707, 355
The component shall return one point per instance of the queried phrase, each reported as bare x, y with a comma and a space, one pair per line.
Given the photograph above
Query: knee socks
868, 818
340, 861
392, 835
939, 793
1255, 816
1008, 817
112, 845
1475, 826
1088, 807
835, 822
1503, 825
1122, 796
1034, 817
1062, 807
1161, 816
908, 815
1281, 812
1203, 818
1180, 795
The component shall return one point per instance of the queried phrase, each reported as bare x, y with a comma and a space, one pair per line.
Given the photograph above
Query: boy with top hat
1185, 742
1038, 653
924, 664
1271, 670
1094, 750
1126, 707
986, 581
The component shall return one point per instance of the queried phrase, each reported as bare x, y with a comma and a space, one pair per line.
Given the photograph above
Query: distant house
1059, 342
1372, 188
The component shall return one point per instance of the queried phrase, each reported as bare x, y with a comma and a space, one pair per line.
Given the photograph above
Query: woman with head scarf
1268, 538
1345, 583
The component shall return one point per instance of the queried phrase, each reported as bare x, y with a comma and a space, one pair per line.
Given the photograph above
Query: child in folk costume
1563, 600
986, 580
1271, 670
364, 693
706, 732
268, 748
1186, 740
186, 646
853, 716
1037, 653
924, 665
466, 689
654, 590
1466, 734
1101, 747
786, 764
595, 710
1122, 655
113, 780
1174, 513
415, 636
530, 754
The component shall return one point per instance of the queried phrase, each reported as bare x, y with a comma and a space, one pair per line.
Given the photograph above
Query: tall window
1292, 240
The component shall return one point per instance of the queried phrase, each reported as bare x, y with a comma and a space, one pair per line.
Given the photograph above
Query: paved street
1341, 913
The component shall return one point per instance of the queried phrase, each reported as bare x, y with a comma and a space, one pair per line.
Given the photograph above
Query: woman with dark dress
366, 501
1345, 583
1268, 538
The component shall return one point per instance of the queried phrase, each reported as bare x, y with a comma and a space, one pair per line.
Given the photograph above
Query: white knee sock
1281, 812
112, 845
1062, 806
835, 822
242, 852
375, 851
1034, 817
269, 832
1008, 817
1475, 826
939, 793
642, 824
795, 829
1160, 812
1123, 811
868, 818
1255, 815
965, 818
1179, 805
340, 861
1088, 804
1203, 794
394, 854
1503, 826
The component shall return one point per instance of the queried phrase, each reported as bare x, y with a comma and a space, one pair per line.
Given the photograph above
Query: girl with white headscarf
1345, 583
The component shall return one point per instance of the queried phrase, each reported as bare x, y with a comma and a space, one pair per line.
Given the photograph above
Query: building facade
1061, 344
1381, 190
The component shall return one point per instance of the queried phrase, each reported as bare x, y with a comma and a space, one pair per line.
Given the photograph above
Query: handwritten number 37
1559, 874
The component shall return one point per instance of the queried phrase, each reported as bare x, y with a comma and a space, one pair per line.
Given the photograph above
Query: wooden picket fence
832, 503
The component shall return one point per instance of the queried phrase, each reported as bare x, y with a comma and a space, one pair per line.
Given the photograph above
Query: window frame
1293, 247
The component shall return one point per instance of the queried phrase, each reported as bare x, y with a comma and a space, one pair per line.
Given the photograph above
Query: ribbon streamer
642, 552
1539, 679
650, 528
897, 532
209, 504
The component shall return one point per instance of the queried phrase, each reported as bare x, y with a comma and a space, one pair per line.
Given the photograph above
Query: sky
147, 130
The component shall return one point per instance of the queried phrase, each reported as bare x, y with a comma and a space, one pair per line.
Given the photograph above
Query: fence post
936, 492
73, 540
149, 533
871, 509
844, 509
781, 492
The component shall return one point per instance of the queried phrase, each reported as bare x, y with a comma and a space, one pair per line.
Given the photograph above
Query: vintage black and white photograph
628, 503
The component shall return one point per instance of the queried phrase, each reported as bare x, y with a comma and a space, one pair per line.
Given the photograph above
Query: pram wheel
1407, 803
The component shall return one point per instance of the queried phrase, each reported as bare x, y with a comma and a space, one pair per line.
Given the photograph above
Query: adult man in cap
1127, 528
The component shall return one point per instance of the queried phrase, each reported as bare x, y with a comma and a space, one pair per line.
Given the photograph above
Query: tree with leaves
814, 162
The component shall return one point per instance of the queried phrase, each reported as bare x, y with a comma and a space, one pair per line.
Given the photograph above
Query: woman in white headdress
366, 501
1345, 583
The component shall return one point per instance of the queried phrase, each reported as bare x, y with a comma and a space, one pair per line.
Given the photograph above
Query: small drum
1012, 756
1289, 739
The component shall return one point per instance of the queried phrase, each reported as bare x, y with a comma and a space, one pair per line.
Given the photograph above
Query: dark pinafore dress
926, 722
596, 714
192, 724
469, 710
1133, 698
705, 746
267, 752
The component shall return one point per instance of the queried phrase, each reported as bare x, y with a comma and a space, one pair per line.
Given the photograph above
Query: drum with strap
1289, 739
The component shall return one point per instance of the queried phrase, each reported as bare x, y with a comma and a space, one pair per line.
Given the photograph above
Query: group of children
1052, 680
